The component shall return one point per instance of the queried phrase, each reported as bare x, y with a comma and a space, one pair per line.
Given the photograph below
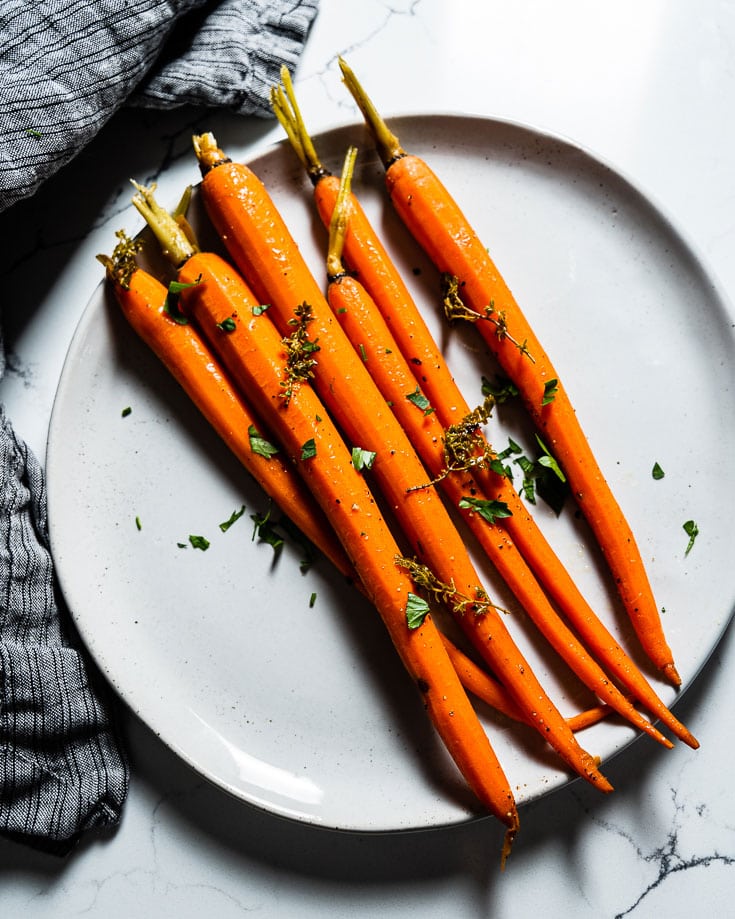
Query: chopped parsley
138, 524
420, 401
259, 445
551, 388
362, 459
417, 609
227, 325
489, 510
692, 531
265, 530
501, 391
657, 472
312, 600
259, 310
171, 304
233, 518
199, 542
308, 449
126, 411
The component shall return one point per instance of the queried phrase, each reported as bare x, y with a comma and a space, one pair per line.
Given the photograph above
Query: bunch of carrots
345, 382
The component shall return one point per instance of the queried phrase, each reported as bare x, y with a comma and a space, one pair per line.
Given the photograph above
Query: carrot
255, 354
181, 349
480, 683
369, 335
367, 258
183, 352
261, 246
439, 226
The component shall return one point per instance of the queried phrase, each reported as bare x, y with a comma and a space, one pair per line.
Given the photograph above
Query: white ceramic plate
302, 708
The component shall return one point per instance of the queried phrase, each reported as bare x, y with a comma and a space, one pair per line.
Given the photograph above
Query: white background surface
651, 88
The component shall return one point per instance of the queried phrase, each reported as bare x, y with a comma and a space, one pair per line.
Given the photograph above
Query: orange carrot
187, 357
142, 299
439, 226
370, 336
367, 258
480, 683
254, 351
261, 246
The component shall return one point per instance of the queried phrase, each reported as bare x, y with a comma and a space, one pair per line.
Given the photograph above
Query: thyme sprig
300, 350
441, 592
465, 447
122, 264
455, 308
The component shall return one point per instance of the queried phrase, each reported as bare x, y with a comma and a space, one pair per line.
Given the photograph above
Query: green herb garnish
199, 542
227, 325
259, 445
362, 459
308, 449
692, 531
171, 303
489, 510
417, 609
657, 472
420, 401
551, 388
234, 517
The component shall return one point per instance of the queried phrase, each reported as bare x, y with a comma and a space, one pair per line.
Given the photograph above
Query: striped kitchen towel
65, 67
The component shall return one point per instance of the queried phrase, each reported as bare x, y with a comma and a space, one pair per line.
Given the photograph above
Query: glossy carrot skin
255, 356
442, 230
370, 336
189, 360
365, 256
261, 246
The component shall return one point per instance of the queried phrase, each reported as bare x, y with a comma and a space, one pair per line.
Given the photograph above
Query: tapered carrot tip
508, 840
671, 674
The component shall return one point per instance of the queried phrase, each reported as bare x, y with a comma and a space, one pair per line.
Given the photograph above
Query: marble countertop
650, 88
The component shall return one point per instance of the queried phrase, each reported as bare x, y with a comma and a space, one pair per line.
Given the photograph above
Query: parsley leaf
259, 445
501, 391
227, 325
417, 610
308, 449
657, 472
126, 411
266, 530
234, 517
487, 509
692, 531
420, 401
548, 460
199, 542
551, 388
171, 304
362, 459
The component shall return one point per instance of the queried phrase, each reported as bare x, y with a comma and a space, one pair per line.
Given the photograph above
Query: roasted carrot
366, 257
181, 349
186, 356
263, 249
256, 356
481, 684
370, 336
442, 230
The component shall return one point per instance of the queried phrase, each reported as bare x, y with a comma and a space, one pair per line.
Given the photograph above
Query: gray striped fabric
62, 769
65, 67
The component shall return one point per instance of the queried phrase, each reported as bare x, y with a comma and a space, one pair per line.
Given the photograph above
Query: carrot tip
508, 841
671, 674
